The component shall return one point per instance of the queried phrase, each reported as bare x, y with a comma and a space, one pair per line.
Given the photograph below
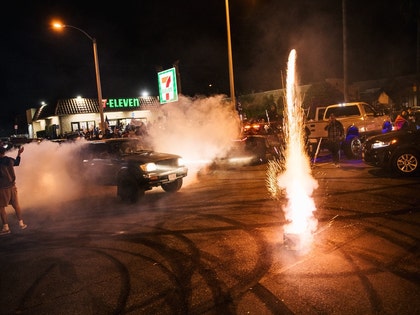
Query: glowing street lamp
58, 25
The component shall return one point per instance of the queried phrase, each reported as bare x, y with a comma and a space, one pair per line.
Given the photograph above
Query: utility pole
178, 76
345, 83
231, 80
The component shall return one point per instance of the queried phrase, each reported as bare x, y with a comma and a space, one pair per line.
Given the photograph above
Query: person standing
8, 189
401, 121
335, 136
387, 125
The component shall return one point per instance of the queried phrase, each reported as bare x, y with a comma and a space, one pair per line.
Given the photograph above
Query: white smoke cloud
45, 176
198, 129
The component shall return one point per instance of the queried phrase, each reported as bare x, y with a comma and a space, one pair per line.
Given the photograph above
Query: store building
75, 115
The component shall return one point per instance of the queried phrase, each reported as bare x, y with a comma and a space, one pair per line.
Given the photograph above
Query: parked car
250, 150
6, 143
130, 165
397, 151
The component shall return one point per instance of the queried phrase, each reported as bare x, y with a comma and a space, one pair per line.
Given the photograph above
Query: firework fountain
294, 176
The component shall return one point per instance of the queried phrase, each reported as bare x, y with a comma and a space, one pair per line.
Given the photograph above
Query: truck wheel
405, 163
352, 147
128, 191
173, 186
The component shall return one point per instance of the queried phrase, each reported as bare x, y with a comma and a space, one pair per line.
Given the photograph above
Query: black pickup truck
128, 164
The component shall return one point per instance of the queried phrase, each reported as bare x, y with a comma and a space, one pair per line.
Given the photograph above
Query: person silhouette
8, 190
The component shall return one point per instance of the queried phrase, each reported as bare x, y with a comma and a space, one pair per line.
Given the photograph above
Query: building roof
44, 111
73, 106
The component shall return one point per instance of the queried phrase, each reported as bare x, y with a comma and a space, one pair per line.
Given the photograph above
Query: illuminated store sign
122, 102
167, 86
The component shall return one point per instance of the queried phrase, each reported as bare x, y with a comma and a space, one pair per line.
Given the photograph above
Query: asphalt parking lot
218, 247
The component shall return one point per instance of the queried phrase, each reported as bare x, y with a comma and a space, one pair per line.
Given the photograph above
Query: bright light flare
295, 179
57, 25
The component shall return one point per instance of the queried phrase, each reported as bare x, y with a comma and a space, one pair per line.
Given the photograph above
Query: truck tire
173, 186
352, 147
128, 191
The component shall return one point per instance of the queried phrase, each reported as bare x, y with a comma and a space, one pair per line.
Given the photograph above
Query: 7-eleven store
73, 115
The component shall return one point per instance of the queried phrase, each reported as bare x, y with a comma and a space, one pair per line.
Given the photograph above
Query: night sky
135, 38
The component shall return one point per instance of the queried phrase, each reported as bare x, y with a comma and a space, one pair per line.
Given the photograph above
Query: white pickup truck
359, 119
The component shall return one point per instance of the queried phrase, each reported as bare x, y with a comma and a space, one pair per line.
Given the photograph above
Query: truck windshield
368, 110
343, 111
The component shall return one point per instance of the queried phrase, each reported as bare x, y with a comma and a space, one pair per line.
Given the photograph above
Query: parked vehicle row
394, 151
134, 168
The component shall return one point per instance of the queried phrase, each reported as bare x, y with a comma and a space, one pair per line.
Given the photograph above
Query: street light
231, 81
57, 25
345, 84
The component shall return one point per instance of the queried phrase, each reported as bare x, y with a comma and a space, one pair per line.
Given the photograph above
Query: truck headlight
181, 162
148, 167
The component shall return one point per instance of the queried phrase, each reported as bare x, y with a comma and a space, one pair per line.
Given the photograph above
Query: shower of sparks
295, 180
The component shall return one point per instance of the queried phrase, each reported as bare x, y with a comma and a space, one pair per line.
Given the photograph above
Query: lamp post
345, 83
98, 78
231, 81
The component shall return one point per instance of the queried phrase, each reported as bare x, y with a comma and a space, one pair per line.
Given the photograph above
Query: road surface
217, 247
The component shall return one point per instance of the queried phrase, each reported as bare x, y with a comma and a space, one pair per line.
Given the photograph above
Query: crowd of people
130, 130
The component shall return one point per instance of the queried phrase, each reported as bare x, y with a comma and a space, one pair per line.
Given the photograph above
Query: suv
398, 151
128, 164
